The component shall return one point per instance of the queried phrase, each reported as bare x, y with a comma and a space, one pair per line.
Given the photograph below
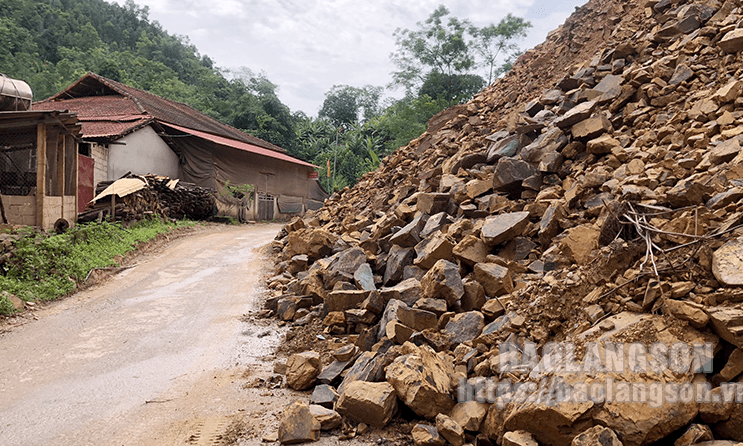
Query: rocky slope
591, 196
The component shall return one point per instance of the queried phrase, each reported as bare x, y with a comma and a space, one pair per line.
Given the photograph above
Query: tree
437, 46
439, 57
450, 89
345, 105
493, 40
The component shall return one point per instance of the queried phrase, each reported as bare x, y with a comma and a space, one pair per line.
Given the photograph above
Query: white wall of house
143, 152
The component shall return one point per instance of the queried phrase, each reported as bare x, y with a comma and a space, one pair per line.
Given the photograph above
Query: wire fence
18, 162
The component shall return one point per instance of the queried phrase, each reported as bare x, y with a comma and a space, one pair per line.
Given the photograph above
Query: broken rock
427, 435
397, 260
471, 250
519, 438
302, 370
443, 281
727, 263
469, 415
373, 403
504, 227
495, 278
465, 327
316, 243
597, 436
422, 380
324, 395
328, 418
435, 248
433, 203
298, 425
450, 430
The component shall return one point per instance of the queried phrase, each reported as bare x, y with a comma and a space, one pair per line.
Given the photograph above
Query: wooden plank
73, 146
61, 139
40, 172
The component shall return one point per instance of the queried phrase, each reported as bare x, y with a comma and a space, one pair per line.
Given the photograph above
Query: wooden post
113, 207
61, 139
40, 172
76, 187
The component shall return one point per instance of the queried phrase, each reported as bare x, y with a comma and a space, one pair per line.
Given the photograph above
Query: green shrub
46, 267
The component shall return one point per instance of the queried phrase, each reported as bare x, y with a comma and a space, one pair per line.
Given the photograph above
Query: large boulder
465, 327
443, 281
397, 260
422, 380
302, 369
373, 403
431, 250
496, 279
298, 425
636, 421
316, 243
504, 227
343, 267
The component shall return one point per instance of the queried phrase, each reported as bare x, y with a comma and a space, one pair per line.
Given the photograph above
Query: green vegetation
46, 267
440, 58
52, 43
444, 61
437, 67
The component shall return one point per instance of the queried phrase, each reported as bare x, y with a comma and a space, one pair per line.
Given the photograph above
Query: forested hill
51, 43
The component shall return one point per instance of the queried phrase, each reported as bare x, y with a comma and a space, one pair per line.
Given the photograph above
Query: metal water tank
15, 95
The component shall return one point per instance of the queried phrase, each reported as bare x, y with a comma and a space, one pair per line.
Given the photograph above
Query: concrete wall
99, 153
20, 209
144, 152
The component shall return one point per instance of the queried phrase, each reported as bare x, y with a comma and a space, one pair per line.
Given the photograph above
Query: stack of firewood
159, 196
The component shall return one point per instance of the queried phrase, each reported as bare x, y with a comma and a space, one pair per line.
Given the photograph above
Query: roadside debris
133, 197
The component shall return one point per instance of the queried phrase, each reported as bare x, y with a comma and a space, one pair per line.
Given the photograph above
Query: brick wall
100, 155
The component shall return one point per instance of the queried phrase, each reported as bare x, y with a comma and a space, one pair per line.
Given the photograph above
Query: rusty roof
99, 99
240, 145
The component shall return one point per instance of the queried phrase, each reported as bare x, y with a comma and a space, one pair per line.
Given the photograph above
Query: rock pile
591, 196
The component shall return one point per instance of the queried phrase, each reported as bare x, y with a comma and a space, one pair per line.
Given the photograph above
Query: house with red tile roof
125, 129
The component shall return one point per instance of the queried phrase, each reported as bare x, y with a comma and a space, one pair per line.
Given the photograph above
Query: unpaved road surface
160, 354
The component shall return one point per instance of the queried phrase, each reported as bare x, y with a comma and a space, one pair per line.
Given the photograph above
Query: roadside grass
48, 266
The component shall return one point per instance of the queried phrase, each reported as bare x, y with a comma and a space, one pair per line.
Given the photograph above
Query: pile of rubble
597, 205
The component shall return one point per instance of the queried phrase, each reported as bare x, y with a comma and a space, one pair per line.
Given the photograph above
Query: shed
38, 167
125, 129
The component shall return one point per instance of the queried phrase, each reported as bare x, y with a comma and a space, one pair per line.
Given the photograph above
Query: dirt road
158, 355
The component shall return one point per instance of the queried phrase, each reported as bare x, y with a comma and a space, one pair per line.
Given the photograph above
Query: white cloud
307, 46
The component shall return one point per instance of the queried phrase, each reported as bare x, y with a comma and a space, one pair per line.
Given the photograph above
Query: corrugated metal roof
239, 145
92, 93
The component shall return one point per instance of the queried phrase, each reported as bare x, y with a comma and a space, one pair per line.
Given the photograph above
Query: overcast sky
307, 46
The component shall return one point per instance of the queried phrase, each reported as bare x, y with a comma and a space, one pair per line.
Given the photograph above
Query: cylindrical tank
15, 95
